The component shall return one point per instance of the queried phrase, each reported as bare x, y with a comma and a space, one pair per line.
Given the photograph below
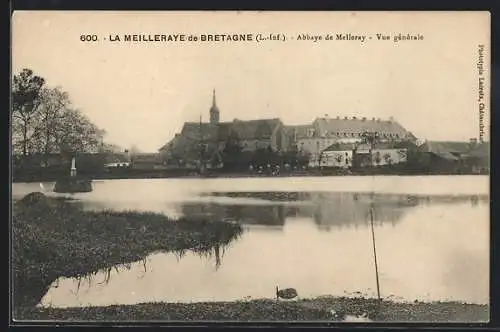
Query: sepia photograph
250, 166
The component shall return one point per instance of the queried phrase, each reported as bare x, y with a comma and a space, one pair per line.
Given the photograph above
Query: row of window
352, 134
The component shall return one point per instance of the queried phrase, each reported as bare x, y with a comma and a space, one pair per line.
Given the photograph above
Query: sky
142, 93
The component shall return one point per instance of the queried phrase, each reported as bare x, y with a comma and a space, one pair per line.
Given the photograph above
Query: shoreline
318, 309
237, 176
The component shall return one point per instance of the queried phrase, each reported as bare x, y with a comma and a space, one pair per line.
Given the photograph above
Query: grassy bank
318, 309
54, 238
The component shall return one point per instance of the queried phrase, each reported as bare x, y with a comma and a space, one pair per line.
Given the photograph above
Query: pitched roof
255, 129
169, 144
445, 146
206, 131
332, 126
195, 131
446, 149
224, 129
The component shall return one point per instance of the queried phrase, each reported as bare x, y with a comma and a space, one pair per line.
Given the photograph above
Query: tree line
44, 121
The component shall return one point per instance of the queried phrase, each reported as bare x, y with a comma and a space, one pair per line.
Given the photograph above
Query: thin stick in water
375, 253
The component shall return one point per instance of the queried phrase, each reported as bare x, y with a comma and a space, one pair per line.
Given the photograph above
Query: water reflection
73, 289
326, 209
214, 254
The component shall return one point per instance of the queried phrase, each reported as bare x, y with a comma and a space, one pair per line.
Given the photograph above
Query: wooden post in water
374, 252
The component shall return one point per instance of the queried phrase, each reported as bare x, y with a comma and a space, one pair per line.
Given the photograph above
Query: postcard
244, 166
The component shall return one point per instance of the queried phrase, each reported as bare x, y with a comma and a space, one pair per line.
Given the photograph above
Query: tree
76, 133
44, 121
26, 88
51, 116
110, 148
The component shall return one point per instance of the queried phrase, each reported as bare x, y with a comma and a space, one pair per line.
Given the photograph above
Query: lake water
313, 234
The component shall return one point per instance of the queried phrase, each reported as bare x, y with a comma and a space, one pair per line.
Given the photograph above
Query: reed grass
54, 238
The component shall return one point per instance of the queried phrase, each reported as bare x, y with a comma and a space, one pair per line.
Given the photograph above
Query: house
146, 161
444, 156
110, 166
323, 132
461, 156
337, 155
380, 154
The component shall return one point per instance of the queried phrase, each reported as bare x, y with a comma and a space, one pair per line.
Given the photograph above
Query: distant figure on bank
287, 293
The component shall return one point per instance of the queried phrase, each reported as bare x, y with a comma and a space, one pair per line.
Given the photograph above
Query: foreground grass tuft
54, 238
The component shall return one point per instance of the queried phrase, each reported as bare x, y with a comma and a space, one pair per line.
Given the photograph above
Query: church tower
214, 110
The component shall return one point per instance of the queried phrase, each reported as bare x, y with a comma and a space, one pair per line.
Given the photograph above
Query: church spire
214, 110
